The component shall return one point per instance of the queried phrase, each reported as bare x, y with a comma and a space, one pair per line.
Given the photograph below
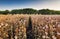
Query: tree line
30, 11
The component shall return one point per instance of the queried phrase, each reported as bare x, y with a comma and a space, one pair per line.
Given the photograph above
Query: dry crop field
46, 26
29, 26
13, 26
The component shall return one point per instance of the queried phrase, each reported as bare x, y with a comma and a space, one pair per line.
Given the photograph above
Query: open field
29, 26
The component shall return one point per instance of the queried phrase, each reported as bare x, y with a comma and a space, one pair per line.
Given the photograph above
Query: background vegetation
30, 11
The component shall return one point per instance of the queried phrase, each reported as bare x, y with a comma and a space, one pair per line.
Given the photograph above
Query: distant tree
24, 11
13, 12
44, 11
30, 11
4, 12
47, 11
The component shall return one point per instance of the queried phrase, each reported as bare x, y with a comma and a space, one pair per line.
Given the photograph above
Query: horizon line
29, 8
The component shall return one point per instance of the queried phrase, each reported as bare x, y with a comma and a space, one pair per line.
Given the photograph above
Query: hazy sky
35, 4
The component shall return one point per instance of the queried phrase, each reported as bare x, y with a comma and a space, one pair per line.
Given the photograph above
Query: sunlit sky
35, 4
